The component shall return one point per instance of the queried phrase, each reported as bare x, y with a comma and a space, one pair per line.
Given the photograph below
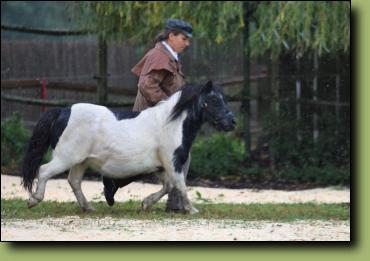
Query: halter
214, 120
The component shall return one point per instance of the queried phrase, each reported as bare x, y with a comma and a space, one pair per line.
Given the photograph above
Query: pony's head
205, 103
214, 108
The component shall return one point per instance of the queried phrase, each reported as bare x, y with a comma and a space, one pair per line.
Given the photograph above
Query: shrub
14, 138
327, 175
326, 162
330, 148
217, 155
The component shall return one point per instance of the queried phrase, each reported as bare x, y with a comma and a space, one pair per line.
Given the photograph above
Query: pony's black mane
189, 93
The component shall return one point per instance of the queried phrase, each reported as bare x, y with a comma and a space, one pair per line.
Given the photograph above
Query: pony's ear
208, 87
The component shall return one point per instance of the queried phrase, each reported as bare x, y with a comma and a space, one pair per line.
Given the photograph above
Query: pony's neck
192, 124
191, 118
162, 111
190, 127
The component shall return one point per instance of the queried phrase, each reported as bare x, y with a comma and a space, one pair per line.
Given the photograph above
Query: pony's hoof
145, 206
193, 211
109, 196
32, 202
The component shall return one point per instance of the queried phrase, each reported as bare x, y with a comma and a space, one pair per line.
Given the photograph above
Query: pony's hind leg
46, 172
75, 178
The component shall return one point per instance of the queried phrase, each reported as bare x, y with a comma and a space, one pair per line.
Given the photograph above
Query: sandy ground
75, 228
59, 190
107, 229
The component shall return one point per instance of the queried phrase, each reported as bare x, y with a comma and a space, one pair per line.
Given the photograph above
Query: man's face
178, 42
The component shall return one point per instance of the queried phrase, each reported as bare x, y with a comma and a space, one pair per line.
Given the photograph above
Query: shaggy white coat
117, 148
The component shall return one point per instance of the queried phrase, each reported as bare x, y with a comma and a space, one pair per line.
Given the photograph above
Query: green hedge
332, 147
217, 155
14, 138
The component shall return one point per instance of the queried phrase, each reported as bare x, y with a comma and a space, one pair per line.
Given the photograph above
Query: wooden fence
70, 70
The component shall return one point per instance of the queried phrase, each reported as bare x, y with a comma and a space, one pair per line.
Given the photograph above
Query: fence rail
288, 100
90, 88
56, 103
25, 29
79, 87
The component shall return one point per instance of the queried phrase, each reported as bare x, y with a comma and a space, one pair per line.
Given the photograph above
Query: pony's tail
37, 147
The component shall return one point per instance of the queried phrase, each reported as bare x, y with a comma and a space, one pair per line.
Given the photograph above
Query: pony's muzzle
228, 122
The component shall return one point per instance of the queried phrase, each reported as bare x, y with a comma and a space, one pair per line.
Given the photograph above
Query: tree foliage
140, 22
299, 26
275, 26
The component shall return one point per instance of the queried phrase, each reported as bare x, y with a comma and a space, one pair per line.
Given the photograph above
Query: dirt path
75, 228
59, 190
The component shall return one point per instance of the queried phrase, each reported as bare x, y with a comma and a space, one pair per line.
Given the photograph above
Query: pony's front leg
179, 183
175, 202
176, 177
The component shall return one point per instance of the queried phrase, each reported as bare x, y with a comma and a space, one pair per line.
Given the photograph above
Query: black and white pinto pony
122, 145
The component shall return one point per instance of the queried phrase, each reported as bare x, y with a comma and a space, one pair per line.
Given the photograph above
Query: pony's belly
127, 170
121, 168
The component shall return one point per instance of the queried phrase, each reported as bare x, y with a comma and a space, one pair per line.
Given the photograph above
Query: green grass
17, 208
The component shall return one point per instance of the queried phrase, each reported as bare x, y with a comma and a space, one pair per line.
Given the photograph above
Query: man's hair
164, 35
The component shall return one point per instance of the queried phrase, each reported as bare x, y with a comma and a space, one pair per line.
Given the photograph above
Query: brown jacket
160, 76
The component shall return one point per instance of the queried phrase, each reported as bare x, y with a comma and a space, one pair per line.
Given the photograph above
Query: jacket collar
172, 52
164, 50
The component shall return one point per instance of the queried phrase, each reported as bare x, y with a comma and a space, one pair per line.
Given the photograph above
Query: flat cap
179, 25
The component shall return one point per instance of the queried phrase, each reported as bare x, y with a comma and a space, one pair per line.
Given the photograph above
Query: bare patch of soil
109, 229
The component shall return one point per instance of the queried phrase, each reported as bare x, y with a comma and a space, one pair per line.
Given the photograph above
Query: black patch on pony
190, 129
38, 145
189, 93
123, 115
112, 185
188, 101
59, 125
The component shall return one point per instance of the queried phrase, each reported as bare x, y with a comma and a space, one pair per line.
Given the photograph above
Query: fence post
102, 77
43, 93
337, 94
298, 88
275, 105
314, 87
275, 86
245, 107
